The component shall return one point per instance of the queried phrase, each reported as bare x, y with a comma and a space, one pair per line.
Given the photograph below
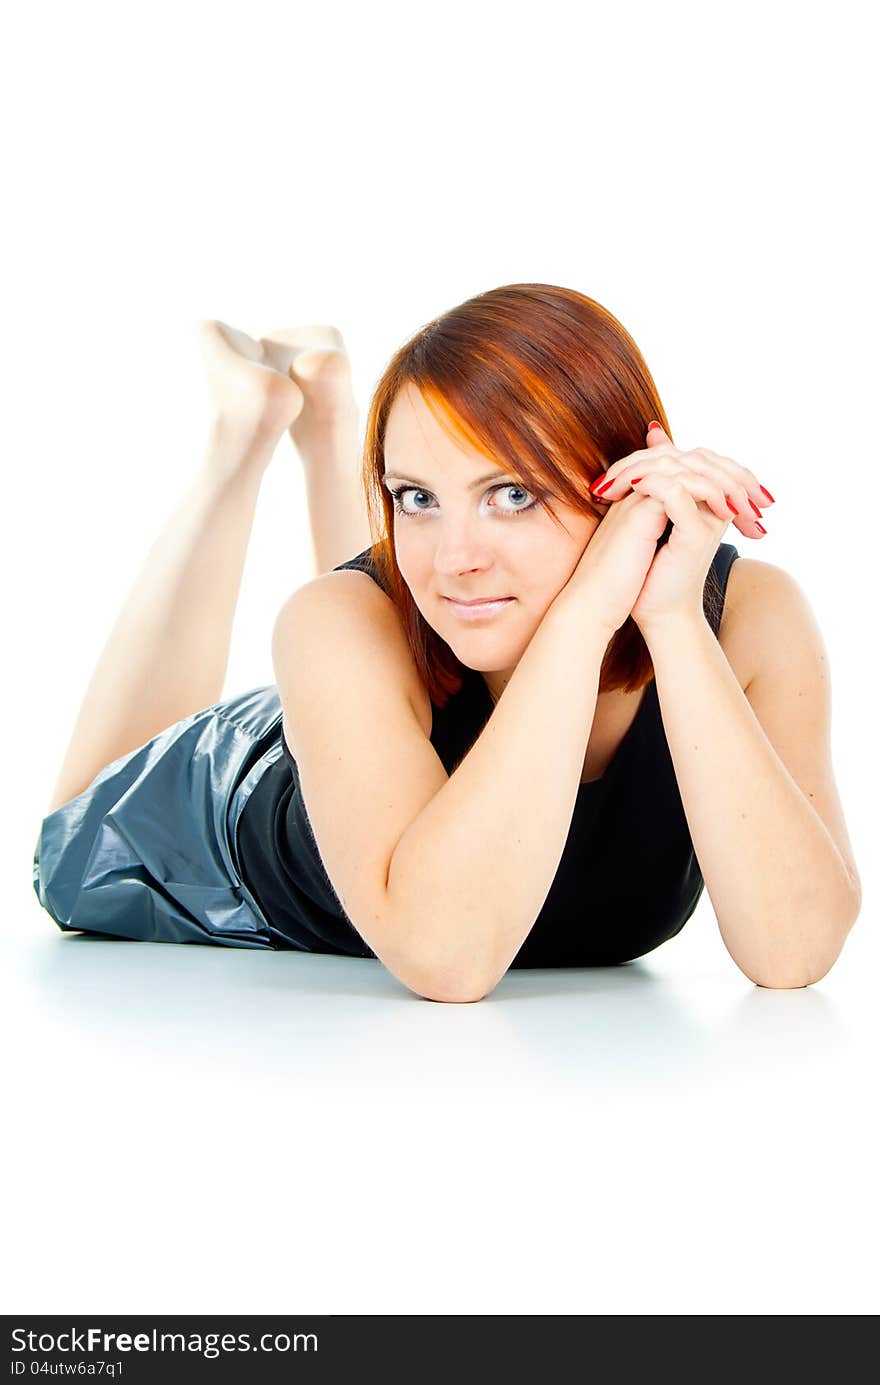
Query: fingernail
635, 480
760, 526
731, 506
754, 507
768, 495
598, 488
654, 424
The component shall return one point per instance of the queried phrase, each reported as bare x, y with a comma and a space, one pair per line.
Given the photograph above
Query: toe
316, 334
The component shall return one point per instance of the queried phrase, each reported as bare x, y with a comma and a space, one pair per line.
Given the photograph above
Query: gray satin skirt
148, 849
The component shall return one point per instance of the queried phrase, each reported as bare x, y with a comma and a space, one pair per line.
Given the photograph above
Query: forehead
412, 431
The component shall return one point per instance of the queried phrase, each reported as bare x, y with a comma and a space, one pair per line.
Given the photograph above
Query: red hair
548, 385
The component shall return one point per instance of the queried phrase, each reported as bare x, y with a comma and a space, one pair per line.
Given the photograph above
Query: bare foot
247, 389
315, 357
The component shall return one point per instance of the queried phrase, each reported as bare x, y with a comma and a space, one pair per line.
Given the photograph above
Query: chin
479, 655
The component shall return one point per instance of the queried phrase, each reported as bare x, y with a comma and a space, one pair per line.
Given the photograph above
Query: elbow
786, 978
431, 971
792, 978
453, 980
452, 987
452, 992
826, 942
453, 998
780, 983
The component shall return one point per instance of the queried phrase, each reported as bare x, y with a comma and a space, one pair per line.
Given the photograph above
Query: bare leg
327, 437
331, 460
167, 654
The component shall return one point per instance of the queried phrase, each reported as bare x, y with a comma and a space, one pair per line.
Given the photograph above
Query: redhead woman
530, 705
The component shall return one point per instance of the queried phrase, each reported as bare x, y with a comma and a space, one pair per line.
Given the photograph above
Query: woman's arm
477, 862
472, 871
757, 785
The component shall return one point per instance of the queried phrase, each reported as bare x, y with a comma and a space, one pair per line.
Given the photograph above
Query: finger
660, 486
755, 492
686, 511
733, 481
751, 493
657, 437
748, 492
633, 464
728, 490
727, 479
689, 516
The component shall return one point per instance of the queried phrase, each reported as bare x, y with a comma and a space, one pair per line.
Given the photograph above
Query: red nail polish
600, 480
754, 507
768, 495
761, 527
654, 424
604, 486
731, 506
635, 480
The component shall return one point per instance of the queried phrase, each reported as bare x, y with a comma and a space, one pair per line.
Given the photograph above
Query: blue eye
398, 491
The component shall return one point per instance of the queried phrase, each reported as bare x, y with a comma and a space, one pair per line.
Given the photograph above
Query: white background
205, 1129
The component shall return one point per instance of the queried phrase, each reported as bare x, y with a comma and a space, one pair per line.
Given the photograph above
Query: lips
480, 601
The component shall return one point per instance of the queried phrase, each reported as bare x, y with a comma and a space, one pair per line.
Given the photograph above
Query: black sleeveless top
628, 879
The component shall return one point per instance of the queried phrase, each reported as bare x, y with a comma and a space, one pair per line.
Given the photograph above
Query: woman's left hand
700, 492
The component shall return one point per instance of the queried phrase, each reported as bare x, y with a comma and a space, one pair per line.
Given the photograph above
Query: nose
458, 554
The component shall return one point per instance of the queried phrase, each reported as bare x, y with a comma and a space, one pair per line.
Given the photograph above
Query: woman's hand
615, 561
700, 492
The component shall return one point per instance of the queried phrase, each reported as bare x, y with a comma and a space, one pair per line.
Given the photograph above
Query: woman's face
470, 532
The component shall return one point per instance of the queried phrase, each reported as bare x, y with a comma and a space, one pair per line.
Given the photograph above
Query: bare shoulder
761, 601
350, 594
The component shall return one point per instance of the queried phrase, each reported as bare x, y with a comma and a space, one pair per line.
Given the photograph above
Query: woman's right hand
612, 569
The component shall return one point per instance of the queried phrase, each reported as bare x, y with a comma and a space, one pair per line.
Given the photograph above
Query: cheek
413, 558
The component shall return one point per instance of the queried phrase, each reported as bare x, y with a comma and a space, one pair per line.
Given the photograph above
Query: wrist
573, 612
670, 626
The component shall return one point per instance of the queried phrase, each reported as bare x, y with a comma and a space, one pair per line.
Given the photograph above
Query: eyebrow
480, 481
